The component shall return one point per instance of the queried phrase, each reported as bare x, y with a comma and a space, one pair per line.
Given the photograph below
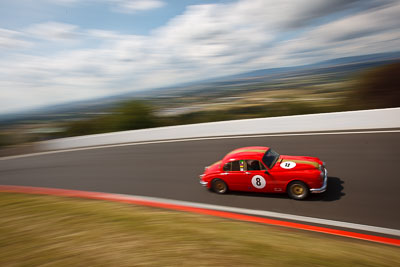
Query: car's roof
250, 152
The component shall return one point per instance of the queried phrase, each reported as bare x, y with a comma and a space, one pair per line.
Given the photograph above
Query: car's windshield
270, 157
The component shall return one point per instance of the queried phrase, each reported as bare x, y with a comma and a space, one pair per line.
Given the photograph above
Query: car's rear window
235, 165
270, 157
227, 167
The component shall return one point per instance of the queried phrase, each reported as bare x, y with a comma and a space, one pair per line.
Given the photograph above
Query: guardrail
336, 121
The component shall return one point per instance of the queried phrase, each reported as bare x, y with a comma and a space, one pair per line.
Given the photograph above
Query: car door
235, 175
257, 179
277, 179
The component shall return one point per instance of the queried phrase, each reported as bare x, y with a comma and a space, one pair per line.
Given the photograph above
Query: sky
57, 51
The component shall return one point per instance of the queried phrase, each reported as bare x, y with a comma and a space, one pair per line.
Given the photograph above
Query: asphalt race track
363, 186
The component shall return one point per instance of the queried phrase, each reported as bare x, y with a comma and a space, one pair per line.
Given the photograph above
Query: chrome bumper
324, 185
203, 183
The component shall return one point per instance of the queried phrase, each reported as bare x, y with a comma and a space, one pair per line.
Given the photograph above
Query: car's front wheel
219, 186
297, 190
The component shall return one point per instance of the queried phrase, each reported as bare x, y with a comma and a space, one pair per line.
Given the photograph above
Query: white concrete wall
353, 120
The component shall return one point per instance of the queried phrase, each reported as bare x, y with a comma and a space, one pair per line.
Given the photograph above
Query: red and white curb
220, 211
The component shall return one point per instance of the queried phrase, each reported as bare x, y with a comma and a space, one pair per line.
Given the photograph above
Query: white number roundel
258, 181
288, 164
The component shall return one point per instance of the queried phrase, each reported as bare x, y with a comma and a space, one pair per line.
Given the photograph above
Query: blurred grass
55, 231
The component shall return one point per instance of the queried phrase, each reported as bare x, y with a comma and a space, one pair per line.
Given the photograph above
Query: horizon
65, 51
151, 91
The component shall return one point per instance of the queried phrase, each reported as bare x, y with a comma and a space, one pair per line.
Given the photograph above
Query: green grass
56, 231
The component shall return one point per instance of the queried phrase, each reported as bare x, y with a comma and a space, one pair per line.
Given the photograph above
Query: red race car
261, 169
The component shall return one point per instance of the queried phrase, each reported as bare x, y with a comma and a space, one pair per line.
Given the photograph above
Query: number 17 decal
288, 164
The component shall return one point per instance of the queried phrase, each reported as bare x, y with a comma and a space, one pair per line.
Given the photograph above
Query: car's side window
227, 166
236, 166
254, 165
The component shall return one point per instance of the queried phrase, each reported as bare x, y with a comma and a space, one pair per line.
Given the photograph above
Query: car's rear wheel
219, 186
297, 190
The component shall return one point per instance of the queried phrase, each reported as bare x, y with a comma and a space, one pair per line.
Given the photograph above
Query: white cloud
53, 31
64, 2
372, 31
132, 6
360, 25
204, 42
12, 40
122, 6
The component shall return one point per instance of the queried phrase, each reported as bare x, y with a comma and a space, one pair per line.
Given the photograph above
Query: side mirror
266, 172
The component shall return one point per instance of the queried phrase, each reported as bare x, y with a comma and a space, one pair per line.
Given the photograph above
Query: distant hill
381, 57
360, 59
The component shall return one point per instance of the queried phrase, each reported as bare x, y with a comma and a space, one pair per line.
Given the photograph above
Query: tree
378, 88
134, 115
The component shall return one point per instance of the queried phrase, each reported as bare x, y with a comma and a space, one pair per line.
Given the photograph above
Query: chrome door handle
224, 173
247, 172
